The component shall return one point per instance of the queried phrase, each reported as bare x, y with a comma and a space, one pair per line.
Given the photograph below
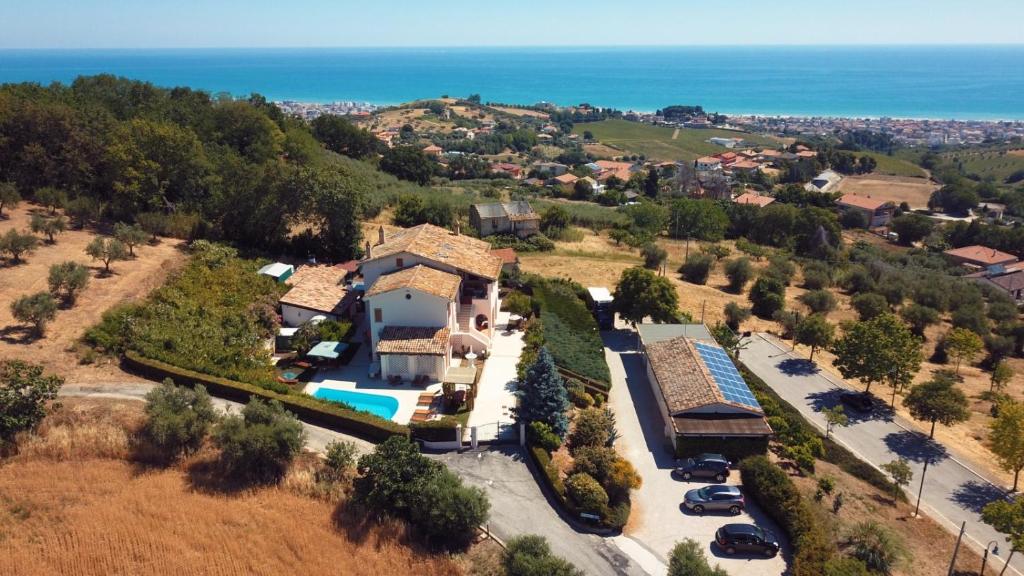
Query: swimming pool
383, 406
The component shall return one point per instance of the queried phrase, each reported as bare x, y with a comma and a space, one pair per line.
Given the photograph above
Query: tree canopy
641, 294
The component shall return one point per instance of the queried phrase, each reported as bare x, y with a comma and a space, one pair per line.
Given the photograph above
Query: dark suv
733, 538
713, 466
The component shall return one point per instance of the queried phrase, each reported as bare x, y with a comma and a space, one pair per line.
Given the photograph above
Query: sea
939, 82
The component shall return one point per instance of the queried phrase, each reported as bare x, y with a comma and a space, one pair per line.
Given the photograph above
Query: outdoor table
471, 357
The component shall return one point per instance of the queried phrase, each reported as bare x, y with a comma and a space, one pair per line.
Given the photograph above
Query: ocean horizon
966, 82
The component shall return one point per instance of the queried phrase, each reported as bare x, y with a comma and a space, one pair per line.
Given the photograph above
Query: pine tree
542, 395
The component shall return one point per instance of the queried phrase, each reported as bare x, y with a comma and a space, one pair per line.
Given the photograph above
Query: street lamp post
984, 557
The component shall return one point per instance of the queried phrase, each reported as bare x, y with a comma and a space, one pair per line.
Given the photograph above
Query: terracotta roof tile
756, 199
413, 340
982, 255
421, 278
439, 245
863, 202
319, 288
507, 255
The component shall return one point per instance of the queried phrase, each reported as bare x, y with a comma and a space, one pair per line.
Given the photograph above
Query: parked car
704, 466
859, 401
733, 538
718, 497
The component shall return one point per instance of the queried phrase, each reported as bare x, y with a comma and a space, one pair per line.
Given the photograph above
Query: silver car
717, 497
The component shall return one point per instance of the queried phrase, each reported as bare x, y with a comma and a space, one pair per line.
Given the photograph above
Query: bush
622, 478
578, 394
869, 305
595, 461
819, 301
587, 493
687, 559
735, 315
447, 512
531, 556
817, 275
339, 460
259, 444
845, 566
767, 296
178, 418
592, 427
697, 268
653, 256
37, 309
879, 548
442, 430
540, 434
739, 271
25, 395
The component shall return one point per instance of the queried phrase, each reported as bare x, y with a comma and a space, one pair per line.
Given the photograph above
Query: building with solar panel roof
705, 403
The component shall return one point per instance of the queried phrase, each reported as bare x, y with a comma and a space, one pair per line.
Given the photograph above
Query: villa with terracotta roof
754, 199
876, 212
979, 256
317, 290
701, 395
430, 294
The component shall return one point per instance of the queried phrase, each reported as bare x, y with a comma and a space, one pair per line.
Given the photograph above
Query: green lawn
656, 143
895, 166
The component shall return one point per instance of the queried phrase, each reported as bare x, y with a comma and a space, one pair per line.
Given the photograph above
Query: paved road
953, 492
517, 504
659, 521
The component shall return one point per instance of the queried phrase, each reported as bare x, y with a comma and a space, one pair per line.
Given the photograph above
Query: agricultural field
913, 191
73, 503
895, 166
995, 163
132, 280
658, 143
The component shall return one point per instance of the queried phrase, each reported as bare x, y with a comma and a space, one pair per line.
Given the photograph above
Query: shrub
767, 296
858, 280
781, 268
390, 476
37, 309
586, 493
531, 555
819, 301
595, 461
739, 272
518, 303
259, 444
67, 279
339, 460
817, 275
687, 559
25, 394
697, 268
448, 512
178, 418
845, 566
879, 548
578, 394
869, 305
591, 427
442, 430
618, 514
653, 256
622, 478
735, 315
540, 434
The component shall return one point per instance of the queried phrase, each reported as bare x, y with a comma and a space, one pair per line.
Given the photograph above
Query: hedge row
442, 430
308, 409
570, 331
775, 492
775, 406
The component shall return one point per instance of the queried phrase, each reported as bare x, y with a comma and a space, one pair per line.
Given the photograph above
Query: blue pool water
383, 406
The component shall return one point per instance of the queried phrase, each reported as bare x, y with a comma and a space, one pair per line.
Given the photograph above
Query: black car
713, 466
859, 401
733, 538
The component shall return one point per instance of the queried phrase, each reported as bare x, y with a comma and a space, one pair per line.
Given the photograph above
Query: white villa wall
419, 310
294, 316
409, 366
374, 269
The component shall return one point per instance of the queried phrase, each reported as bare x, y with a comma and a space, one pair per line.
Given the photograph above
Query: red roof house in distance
755, 199
728, 158
980, 256
878, 212
433, 150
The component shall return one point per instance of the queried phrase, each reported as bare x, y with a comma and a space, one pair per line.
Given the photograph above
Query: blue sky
305, 23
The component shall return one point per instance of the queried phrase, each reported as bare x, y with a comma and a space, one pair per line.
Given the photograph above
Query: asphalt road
953, 492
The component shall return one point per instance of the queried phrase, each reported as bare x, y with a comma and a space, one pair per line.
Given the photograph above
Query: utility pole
917, 508
956, 550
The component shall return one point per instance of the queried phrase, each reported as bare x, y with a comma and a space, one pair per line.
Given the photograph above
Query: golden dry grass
913, 191
69, 509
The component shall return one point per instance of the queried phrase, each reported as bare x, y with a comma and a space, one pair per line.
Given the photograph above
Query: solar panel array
725, 375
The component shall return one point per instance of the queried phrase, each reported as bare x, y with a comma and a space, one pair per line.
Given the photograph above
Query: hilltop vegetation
657, 143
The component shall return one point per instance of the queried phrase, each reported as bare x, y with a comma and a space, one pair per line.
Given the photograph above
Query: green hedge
735, 449
570, 331
306, 408
442, 430
775, 407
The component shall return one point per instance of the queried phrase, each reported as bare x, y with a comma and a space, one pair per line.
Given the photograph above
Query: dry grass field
521, 112
602, 151
70, 504
131, 280
913, 191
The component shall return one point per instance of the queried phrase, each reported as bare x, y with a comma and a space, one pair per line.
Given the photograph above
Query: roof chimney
368, 252
380, 235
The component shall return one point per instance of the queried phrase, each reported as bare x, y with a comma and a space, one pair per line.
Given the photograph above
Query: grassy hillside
995, 163
894, 166
656, 143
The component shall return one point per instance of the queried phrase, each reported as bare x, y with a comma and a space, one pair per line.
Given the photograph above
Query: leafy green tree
814, 331
106, 250
739, 272
542, 395
817, 275
25, 396
447, 512
652, 184
819, 301
37, 309
881, 349
654, 256
9, 196
49, 227
1001, 375
390, 478
178, 418
717, 251
687, 559
901, 475
767, 296
1006, 438
259, 444
154, 223
697, 268
343, 137
919, 318
67, 279
911, 228
408, 163
83, 210
336, 202
130, 235
938, 400
641, 294
881, 549
530, 555
339, 460
963, 344
1007, 517
698, 219
555, 218
735, 315
834, 418
869, 305
17, 244
51, 198
519, 304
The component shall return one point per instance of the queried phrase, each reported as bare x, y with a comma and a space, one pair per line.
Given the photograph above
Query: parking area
659, 520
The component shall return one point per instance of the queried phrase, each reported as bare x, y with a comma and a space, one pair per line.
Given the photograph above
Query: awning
329, 350
704, 426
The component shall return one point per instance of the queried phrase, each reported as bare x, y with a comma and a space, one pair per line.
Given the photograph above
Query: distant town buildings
311, 110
